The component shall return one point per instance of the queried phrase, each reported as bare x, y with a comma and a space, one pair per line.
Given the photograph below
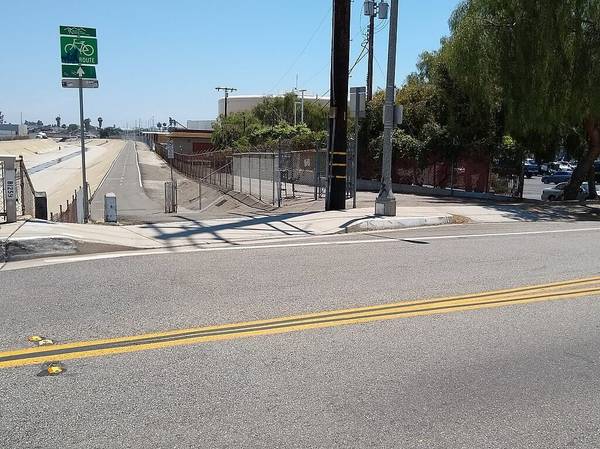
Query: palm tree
57, 121
100, 122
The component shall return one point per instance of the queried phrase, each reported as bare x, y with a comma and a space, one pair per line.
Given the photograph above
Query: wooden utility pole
338, 126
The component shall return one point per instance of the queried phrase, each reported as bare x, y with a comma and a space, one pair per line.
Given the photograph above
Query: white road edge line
107, 173
246, 247
499, 234
137, 163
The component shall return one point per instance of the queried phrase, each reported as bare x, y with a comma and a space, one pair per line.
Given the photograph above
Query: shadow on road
190, 228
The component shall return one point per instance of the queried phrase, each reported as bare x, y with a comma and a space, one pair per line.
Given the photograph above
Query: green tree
234, 129
539, 60
87, 124
72, 128
105, 133
270, 121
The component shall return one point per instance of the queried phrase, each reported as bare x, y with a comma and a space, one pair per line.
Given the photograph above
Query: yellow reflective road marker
67, 351
54, 369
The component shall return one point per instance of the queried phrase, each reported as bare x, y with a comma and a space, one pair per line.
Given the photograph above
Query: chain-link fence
269, 176
274, 177
468, 173
25, 190
213, 168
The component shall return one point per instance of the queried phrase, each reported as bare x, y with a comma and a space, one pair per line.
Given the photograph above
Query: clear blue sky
166, 58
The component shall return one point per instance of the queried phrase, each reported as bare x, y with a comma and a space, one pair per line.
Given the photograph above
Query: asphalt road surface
125, 181
515, 369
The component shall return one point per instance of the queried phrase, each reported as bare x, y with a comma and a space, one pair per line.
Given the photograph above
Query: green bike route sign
77, 31
73, 71
78, 50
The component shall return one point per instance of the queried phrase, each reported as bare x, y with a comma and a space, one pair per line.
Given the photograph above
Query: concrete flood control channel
41, 167
51, 356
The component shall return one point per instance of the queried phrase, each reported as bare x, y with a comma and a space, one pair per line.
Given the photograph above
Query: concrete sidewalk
35, 238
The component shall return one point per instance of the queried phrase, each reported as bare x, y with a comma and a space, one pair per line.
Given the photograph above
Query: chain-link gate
274, 177
25, 190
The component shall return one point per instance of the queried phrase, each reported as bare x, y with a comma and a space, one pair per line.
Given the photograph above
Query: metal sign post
171, 156
79, 46
83, 171
358, 96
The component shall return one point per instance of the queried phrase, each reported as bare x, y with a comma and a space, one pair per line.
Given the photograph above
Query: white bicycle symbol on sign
81, 47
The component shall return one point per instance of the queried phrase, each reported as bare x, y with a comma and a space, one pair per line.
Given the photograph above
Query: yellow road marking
511, 291
69, 351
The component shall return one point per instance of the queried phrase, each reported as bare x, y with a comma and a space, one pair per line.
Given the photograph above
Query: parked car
558, 166
558, 177
531, 168
557, 192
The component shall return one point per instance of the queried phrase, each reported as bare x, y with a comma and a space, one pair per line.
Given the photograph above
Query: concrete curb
39, 247
389, 223
20, 249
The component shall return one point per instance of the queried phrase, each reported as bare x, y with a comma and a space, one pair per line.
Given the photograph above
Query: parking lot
533, 188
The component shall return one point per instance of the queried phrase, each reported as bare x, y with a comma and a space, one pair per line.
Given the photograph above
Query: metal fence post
316, 170
279, 177
250, 157
273, 178
21, 165
259, 178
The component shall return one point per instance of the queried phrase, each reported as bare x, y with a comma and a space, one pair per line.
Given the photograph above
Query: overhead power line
312, 37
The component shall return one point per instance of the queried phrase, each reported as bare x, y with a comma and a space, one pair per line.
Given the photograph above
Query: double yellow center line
559, 290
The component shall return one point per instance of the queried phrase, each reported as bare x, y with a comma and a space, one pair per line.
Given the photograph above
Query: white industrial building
200, 125
13, 130
243, 103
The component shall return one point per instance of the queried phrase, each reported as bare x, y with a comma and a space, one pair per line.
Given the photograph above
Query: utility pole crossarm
226, 90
